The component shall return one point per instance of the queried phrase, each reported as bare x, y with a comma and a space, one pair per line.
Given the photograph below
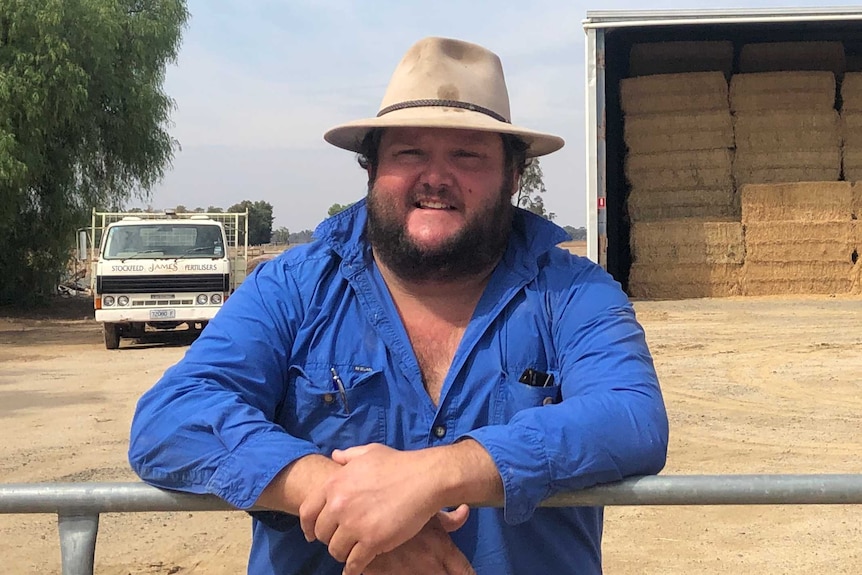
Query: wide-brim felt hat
445, 83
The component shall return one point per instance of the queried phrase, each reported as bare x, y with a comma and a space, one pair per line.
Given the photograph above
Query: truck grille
166, 283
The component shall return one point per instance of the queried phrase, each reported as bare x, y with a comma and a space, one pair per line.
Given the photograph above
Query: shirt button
548, 401
439, 431
328, 398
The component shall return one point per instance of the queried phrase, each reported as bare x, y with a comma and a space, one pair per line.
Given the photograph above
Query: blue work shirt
255, 392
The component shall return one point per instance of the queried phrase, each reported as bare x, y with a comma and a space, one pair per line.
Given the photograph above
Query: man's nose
437, 173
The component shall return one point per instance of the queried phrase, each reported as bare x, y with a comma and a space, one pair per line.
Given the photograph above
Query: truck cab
156, 273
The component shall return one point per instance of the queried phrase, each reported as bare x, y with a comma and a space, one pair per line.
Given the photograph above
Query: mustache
427, 193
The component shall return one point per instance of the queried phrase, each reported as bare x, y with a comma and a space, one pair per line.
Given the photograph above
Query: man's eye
467, 154
409, 153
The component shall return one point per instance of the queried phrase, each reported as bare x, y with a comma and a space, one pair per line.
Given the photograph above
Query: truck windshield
162, 240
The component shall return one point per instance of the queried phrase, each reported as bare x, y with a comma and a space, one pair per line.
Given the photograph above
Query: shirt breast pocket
336, 407
514, 396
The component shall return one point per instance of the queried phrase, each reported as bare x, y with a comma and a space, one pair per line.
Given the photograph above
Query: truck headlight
215, 298
202, 299
123, 300
108, 300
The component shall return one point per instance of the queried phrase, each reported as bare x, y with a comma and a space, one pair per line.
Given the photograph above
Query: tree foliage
302, 237
578, 234
281, 236
83, 123
531, 189
336, 209
259, 220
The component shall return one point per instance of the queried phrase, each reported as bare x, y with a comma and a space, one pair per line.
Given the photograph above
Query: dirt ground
752, 385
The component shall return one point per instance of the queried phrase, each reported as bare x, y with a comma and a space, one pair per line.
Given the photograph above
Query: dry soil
753, 385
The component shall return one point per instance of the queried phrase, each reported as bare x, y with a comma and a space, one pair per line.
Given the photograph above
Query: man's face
440, 206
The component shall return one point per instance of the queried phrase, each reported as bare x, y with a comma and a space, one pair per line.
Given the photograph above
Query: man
432, 350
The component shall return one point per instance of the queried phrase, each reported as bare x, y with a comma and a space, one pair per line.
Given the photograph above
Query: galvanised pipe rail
78, 505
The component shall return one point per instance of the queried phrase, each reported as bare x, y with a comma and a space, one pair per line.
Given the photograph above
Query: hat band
442, 104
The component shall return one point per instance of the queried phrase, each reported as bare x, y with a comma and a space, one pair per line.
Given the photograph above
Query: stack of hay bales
679, 135
647, 59
799, 238
685, 236
851, 126
685, 259
851, 159
786, 127
857, 237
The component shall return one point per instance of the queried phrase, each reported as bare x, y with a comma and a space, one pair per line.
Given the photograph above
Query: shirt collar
531, 236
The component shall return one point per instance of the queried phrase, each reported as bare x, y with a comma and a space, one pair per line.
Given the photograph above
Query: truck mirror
82, 245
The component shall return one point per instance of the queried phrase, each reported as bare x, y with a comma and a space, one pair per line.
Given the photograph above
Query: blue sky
257, 83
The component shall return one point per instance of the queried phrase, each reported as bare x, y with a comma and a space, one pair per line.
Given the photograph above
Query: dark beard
474, 251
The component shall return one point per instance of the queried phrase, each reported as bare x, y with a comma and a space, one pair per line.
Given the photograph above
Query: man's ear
516, 182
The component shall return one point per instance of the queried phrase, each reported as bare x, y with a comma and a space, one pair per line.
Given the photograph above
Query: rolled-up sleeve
208, 425
611, 422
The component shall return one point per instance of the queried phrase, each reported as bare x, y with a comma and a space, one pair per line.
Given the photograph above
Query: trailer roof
630, 18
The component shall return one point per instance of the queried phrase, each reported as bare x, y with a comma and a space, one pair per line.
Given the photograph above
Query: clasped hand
378, 500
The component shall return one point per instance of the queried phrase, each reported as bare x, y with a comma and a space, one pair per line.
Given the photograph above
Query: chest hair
435, 344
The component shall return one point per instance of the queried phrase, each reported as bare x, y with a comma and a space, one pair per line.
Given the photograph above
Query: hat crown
443, 69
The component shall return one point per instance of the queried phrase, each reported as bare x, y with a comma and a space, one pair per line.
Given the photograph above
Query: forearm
288, 489
465, 473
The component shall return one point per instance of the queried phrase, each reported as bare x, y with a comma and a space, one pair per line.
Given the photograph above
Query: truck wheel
112, 336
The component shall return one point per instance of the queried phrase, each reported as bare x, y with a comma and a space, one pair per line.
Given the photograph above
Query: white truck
158, 271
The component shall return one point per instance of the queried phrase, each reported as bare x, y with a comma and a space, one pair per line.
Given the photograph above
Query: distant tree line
578, 234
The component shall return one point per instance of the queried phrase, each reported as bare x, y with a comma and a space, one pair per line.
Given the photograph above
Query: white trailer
610, 36
158, 271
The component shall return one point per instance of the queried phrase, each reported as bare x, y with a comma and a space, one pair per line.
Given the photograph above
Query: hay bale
823, 158
851, 129
687, 241
785, 175
794, 241
856, 207
851, 164
658, 204
785, 278
786, 130
787, 166
653, 133
772, 91
683, 281
851, 92
678, 57
856, 279
700, 169
781, 56
695, 92
856, 236
796, 201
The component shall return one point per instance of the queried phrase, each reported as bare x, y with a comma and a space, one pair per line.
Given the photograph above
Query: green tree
281, 236
83, 123
181, 209
302, 237
530, 191
259, 220
214, 210
336, 209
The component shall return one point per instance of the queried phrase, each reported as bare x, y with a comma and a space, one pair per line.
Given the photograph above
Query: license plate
163, 313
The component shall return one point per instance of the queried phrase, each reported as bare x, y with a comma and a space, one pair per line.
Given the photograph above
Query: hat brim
349, 136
